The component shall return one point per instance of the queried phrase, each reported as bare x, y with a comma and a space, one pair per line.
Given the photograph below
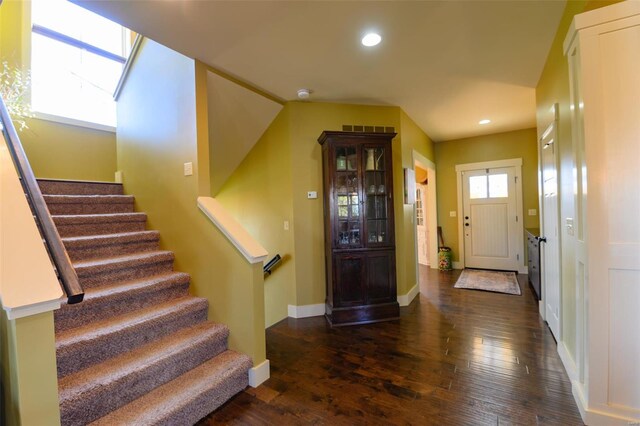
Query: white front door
490, 221
550, 245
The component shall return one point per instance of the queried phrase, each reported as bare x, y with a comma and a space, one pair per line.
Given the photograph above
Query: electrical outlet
286, 225
188, 169
453, 213
312, 195
532, 212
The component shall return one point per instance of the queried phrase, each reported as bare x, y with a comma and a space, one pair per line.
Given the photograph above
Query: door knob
466, 217
466, 224
542, 239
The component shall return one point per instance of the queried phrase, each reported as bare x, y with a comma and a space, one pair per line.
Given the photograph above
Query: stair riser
92, 277
110, 250
79, 188
81, 355
85, 229
89, 208
207, 402
71, 316
102, 400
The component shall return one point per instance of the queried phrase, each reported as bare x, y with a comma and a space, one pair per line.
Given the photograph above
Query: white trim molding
406, 299
73, 122
29, 310
127, 66
306, 311
233, 230
259, 374
432, 206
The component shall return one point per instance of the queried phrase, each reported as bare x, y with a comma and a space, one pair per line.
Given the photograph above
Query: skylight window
76, 61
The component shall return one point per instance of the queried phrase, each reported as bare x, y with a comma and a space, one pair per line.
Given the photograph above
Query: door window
489, 186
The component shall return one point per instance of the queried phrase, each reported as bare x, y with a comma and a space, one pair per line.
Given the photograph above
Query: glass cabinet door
376, 196
347, 198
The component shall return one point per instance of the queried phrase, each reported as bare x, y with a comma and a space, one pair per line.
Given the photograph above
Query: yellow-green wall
499, 146
157, 133
271, 186
259, 195
553, 87
55, 150
308, 121
28, 375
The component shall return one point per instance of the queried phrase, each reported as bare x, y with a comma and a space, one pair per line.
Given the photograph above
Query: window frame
32, 28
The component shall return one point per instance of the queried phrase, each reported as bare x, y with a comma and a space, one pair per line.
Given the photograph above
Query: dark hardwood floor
455, 357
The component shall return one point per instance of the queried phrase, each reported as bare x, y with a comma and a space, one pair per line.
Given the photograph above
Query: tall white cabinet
603, 51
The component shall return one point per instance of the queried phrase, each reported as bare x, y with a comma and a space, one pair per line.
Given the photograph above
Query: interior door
422, 236
550, 244
490, 219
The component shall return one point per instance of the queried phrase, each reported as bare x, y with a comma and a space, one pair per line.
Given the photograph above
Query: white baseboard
572, 372
406, 299
306, 311
118, 177
259, 374
589, 416
567, 361
456, 265
523, 270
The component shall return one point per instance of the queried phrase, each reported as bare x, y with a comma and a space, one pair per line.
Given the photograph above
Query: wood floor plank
455, 357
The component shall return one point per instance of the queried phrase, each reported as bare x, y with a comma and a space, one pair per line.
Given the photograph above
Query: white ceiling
447, 64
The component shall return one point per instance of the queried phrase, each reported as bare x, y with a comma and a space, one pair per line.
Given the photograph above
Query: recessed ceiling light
371, 39
485, 121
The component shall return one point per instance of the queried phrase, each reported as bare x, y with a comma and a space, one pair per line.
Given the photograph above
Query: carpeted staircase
138, 349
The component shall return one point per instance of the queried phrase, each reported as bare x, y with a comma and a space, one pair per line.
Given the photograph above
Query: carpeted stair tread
89, 199
80, 347
69, 187
73, 219
188, 398
88, 204
91, 393
106, 270
122, 261
98, 224
120, 298
106, 245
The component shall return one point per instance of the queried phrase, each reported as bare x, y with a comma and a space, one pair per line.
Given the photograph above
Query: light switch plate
453, 213
312, 194
569, 224
188, 169
532, 212
286, 225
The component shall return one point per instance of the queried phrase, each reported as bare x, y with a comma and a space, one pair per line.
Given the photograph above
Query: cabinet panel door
381, 277
349, 280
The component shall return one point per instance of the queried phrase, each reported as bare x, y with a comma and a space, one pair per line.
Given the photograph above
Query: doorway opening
425, 215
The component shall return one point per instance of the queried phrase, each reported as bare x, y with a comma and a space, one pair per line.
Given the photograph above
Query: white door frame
512, 162
432, 216
551, 125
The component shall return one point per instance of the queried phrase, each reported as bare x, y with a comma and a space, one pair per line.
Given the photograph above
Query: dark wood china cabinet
359, 227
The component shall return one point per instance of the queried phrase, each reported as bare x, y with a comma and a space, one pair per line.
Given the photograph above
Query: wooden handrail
66, 273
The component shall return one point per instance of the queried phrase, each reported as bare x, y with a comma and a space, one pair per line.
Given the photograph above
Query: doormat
496, 281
